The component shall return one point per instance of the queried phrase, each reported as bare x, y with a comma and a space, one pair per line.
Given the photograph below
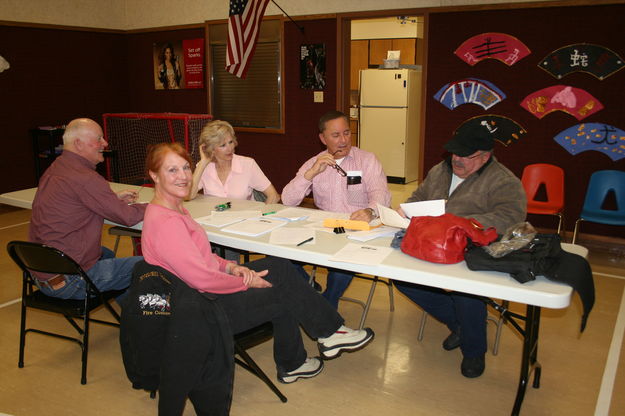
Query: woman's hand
203, 153
251, 278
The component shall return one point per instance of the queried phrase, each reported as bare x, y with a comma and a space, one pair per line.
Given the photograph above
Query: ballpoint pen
305, 241
269, 213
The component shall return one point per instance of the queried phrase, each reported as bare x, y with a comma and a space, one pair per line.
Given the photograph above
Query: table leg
529, 358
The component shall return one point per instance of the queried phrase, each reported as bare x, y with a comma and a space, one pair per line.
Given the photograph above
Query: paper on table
291, 214
220, 219
254, 227
383, 231
361, 254
291, 235
433, 208
392, 218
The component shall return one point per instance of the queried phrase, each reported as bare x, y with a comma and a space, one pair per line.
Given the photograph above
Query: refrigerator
389, 120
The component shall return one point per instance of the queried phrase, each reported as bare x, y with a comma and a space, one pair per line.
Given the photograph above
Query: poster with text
193, 50
179, 64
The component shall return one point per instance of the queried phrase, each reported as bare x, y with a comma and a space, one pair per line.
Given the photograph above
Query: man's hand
365, 214
251, 278
401, 212
321, 164
128, 196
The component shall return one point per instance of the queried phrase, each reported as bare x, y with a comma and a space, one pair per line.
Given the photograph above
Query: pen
269, 213
305, 241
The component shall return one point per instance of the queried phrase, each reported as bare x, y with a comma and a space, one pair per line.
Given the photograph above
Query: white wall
138, 14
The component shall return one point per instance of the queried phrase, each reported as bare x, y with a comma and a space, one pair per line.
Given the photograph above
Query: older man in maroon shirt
69, 209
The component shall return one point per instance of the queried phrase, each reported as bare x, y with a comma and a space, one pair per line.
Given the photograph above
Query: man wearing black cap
475, 185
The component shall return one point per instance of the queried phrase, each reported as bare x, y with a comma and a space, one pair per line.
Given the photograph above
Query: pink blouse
244, 176
177, 243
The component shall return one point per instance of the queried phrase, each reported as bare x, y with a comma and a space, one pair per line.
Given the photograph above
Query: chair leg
560, 222
250, 365
365, 311
579, 220
85, 348
116, 246
500, 323
424, 319
20, 361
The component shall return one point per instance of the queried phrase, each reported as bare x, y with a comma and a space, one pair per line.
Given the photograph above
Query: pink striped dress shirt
330, 190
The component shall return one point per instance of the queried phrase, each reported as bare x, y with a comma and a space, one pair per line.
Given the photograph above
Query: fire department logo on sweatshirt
154, 304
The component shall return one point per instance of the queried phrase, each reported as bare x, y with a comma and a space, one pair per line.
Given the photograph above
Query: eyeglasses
339, 170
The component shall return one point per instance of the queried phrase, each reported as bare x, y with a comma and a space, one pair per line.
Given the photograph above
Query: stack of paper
222, 218
290, 214
383, 231
254, 227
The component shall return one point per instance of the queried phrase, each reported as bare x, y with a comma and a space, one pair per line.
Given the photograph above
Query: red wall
543, 30
281, 155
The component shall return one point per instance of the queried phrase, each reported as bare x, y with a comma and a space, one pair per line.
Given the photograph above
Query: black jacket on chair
176, 340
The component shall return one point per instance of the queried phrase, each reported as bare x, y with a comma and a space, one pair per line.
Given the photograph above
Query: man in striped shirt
342, 179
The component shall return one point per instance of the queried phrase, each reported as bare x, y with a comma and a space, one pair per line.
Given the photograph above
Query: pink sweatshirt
180, 245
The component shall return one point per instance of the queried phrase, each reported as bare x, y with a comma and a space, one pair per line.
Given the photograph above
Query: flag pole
301, 29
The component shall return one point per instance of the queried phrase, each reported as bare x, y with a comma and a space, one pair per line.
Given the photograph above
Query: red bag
443, 239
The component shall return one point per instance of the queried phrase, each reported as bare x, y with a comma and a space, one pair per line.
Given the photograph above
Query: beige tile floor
395, 375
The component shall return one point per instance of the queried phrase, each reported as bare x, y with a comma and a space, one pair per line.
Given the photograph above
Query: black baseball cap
469, 139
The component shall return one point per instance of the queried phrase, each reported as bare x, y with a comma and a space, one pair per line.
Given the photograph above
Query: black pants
289, 303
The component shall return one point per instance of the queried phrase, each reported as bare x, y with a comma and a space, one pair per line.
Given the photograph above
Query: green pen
269, 213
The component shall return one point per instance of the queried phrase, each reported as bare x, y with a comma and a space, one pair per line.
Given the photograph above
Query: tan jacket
492, 195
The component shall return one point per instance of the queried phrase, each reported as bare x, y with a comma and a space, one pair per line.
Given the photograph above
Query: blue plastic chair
601, 183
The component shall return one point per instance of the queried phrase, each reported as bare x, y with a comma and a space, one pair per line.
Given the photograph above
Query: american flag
243, 29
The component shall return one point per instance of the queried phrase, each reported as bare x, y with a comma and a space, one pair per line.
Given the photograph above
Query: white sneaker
344, 339
311, 367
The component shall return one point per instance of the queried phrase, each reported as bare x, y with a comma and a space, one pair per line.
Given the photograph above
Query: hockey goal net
130, 134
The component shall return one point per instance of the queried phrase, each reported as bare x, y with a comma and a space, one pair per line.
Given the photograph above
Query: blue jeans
337, 283
462, 313
109, 273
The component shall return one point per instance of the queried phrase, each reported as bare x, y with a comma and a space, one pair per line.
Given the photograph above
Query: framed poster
178, 64
313, 66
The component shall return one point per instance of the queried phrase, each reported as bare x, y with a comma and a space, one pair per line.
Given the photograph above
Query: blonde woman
221, 172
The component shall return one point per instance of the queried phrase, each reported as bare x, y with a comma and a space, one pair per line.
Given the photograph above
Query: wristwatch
374, 214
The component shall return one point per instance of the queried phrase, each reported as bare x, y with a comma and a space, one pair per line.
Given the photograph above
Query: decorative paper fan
503, 129
574, 101
582, 57
469, 90
601, 137
500, 46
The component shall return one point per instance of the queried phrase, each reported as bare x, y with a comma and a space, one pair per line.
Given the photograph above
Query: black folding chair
41, 258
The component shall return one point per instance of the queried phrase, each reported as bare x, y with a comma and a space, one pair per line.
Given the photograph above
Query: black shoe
472, 366
451, 342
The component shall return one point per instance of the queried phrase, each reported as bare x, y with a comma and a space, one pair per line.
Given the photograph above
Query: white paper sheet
392, 218
433, 208
362, 254
222, 218
292, 236
291, 214
254, 227
383, 231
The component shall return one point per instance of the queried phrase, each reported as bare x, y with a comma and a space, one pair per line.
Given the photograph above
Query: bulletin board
543, 30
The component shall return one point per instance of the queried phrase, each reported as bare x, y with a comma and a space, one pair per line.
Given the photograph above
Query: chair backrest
552, 177
601, 184
41, 258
